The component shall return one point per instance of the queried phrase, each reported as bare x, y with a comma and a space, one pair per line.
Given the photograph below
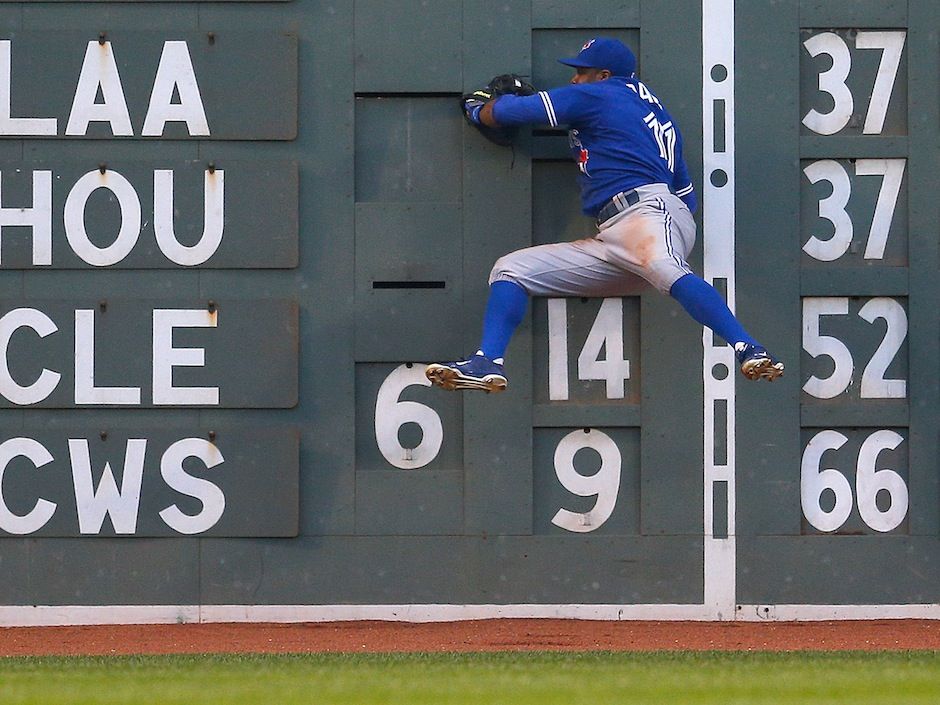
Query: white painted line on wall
718, 245
826, 613
52, 615
78, 615
450, 613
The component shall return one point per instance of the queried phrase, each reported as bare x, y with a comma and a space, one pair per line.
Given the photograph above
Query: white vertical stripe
667, 220
549, 108
718, 244
557, 349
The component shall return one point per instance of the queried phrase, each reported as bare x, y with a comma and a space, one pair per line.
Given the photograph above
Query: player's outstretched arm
478, 106
486, 115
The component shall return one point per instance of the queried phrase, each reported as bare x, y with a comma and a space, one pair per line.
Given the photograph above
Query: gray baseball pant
645, 244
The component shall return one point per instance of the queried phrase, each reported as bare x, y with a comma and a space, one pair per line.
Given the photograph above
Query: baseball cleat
757, 363
476, 372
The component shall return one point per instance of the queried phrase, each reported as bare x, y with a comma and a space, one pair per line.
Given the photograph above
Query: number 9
605, 483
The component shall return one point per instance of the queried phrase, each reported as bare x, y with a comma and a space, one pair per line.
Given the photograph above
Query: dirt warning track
481, 635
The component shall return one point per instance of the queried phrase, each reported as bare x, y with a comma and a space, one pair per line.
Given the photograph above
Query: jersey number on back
665, 135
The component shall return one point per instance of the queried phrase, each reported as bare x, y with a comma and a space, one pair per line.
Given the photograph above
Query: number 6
391, 415
813, 482
868, 482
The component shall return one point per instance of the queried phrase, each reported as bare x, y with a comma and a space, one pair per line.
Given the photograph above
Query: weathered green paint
372, 215
782, 557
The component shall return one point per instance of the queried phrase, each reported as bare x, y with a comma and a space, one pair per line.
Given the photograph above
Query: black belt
619, 203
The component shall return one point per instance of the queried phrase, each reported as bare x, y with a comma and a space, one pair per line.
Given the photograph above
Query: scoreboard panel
849, 220
227, 256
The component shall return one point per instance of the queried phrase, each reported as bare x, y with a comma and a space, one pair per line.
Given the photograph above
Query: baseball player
634, 183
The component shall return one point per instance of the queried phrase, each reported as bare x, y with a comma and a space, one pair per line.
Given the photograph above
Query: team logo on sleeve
580, 152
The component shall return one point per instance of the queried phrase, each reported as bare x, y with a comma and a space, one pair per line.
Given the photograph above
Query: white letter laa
11, 125
99, 69
175, 71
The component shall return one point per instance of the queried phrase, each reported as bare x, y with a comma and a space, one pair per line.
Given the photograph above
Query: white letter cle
85, 390
166, 357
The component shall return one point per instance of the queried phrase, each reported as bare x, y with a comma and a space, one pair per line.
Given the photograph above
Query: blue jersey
620, 135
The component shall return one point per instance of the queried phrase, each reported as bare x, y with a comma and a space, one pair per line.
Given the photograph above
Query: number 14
606, 334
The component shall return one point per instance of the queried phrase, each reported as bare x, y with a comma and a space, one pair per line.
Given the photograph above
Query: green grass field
902, 678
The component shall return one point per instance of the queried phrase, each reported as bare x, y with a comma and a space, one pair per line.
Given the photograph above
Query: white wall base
75, 615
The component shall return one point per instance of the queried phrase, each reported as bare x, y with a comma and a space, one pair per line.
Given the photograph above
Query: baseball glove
507, 83
472, 103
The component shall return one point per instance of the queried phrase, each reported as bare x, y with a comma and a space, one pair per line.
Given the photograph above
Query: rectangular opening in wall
718, 125
721, 432
408, 285
721, 285
720, 509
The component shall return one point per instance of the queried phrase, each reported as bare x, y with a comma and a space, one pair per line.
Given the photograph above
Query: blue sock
504, 312
705, 305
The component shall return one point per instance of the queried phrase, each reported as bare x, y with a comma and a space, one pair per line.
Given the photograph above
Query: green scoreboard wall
233, 233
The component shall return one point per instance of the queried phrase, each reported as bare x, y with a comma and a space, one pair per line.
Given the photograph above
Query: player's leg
563, 269
483, 370
505, 310
703, 303
653, 238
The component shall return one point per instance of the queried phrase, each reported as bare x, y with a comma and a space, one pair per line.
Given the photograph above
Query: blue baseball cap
604, 53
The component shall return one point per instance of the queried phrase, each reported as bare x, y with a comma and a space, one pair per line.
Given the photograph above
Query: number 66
868, 483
